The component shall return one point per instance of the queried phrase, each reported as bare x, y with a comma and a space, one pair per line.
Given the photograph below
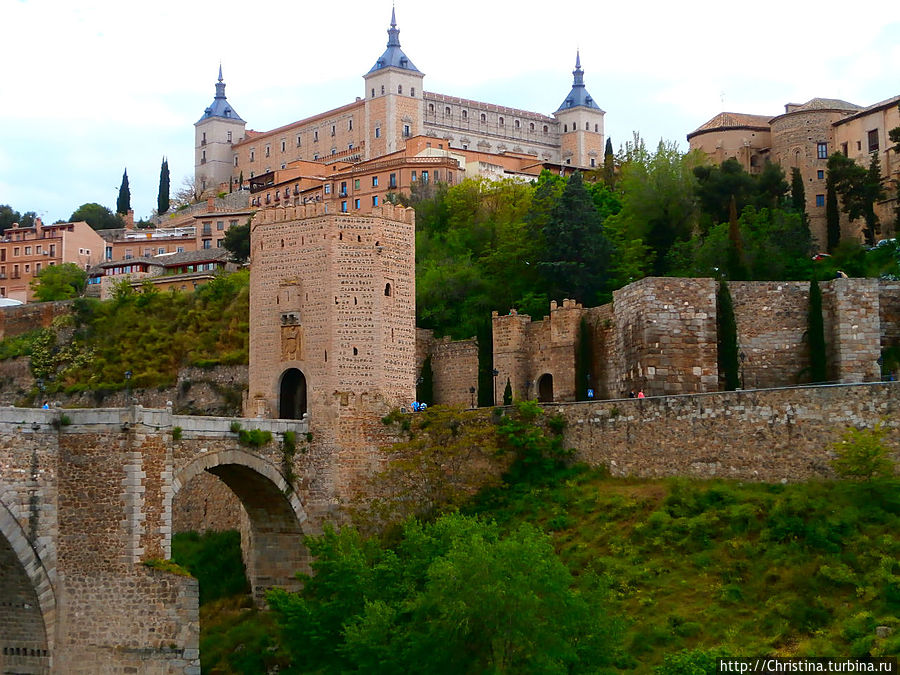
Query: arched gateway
273, 540
292, 395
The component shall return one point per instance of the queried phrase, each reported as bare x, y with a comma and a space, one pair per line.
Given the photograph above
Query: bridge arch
28, 610
272, 535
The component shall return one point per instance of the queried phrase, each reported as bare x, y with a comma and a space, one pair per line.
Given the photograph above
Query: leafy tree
863, 455
59, 282
8, 216
98, 217
729, 366
577, 253
894, 136
237, 241
719, 186
771, 187
818, 366
858, 189
736, 266
162, 200
123, 203
658, 205
454, 596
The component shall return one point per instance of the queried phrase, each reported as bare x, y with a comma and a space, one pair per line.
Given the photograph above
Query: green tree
859, 190
237, 240
658, 206
894, 136
59, 282
98, 217
453, 596
425, 383
728, 351
577, 254
508, 393
8, 216
798, 196
609, 166
832, 215
123, 203
718, 186
771, 187
818, 365
863, 455
162, 199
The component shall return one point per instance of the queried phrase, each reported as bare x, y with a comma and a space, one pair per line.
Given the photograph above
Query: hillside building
26, 251
805, 136
395, 111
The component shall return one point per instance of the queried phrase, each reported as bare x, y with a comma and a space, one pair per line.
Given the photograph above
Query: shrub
862, 455
176, 433
235, 427
254, 438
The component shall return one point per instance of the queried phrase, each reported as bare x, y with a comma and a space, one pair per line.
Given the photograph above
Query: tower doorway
292, 397
545, 388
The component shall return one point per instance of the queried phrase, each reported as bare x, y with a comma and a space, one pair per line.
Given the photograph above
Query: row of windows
412, 91
16, 274
38, 250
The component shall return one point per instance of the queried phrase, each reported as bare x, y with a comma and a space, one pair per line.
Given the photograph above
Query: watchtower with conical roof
580, 124
394, 98
214, 134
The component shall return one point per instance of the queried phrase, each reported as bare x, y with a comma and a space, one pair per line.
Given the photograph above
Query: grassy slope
805, 569
741, 569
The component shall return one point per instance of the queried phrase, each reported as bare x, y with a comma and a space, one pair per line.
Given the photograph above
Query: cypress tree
123, 203
729, 367
507, 393
818, 365
798, 196
737, 268
609, 165
832, 215
162, 201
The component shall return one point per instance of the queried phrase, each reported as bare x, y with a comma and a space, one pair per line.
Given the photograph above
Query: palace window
447, 111
820, 200
283, 145
268, 150
872, 137
377, 132
820, 174
412, 92
350, 124
500, 121
406, 131
252, 155
375, 200
374, 181
431, 108
822, 150
229, 137
333, 130
399, 88
483, 118
465, 114
356, 204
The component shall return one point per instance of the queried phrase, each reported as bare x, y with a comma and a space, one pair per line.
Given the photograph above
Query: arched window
483, 118
387, 290
545, 388
447, 111
500, 121
517, 124
546, 129
412, 92
565, 128
465, 114
431, 108
531, 126
399, 88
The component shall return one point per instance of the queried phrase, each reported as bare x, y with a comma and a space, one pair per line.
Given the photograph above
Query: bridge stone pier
86, 500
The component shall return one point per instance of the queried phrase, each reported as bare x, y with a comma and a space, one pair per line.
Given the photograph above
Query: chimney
38, 223
129, 220
210, 204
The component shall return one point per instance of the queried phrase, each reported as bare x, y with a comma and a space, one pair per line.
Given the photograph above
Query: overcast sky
89, 88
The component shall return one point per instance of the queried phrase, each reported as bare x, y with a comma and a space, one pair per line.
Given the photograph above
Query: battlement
283, 214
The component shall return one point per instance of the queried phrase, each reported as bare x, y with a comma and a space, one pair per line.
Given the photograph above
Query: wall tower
214, 134
580, 124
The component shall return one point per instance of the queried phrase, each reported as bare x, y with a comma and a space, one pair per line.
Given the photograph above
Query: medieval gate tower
332, 330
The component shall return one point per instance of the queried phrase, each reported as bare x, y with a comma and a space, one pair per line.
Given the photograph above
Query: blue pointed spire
220, 106
393, 56
579, 95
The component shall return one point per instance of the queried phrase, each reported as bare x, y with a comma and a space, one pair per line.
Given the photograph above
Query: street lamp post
472, 396
127, 387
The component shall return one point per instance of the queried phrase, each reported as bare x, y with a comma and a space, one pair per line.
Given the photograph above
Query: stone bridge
86, 499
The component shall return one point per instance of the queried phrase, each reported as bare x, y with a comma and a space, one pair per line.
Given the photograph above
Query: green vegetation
162, 198
97, 216
728, 350
237, 241
123, 202
254, 438
59, 282
818, 364
149, 333
862, 455
215, 559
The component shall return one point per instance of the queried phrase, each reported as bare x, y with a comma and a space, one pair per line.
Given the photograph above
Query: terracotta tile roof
730, 120
891, 102
827, 104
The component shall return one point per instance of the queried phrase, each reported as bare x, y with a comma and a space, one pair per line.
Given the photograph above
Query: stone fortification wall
773, 435
604, 366
771, 320
666, 334
852, 329
19, 319
889, 310
454, 364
